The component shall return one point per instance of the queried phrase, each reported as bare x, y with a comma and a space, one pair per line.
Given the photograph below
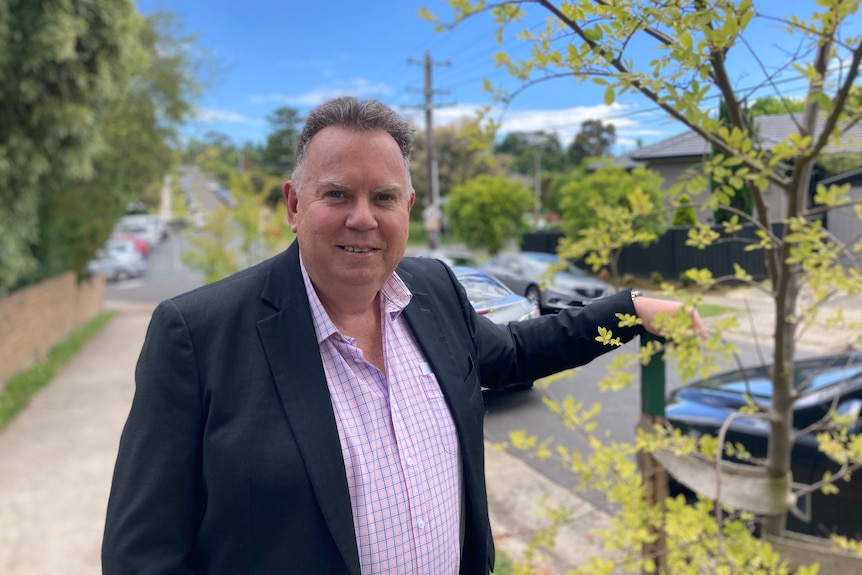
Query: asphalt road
166, 275
616, 421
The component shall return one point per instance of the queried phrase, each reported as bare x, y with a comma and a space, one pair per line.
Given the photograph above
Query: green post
653, 381
654, 475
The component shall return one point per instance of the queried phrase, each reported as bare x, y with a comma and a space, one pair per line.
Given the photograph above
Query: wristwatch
636, 293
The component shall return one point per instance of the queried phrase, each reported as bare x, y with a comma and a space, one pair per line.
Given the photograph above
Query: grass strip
712, 310
24, 385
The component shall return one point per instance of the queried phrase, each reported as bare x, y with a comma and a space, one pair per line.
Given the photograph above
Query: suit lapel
423, 315
294, 358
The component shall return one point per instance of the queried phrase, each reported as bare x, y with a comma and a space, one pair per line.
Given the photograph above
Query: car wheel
534, 295
122, 275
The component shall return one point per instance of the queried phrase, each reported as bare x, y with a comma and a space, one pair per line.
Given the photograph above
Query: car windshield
808, 382
761, 387
808, 377
480, 289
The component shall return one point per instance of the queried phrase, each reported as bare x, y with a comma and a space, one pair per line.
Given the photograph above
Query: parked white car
149, 228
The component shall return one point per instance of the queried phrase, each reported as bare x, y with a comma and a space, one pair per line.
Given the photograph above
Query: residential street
58, 455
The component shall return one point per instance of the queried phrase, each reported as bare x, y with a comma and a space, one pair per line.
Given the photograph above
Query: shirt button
421, 524
410, 461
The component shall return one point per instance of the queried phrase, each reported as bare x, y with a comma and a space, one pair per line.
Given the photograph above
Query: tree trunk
783, 392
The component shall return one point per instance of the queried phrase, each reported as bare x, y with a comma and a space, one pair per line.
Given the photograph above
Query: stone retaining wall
38, 317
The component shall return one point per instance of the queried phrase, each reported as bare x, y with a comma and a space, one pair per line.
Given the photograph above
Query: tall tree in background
63, 65
526, 148
280, 148
139, 140
595, 140
737, 198
457, 160
772, 105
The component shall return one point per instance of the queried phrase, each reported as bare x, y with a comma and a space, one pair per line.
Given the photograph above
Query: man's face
352, 217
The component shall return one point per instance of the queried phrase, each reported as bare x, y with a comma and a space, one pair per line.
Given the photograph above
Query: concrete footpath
57, 457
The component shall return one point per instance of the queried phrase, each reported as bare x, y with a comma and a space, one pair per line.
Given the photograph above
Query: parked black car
823, 383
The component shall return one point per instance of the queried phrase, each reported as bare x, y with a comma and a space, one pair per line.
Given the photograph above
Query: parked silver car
450, 257
492, 299
553, 284
118, 260
495, 301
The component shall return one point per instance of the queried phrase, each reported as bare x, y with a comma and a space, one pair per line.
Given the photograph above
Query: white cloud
211, 115
358, 87
632, 126
566, 121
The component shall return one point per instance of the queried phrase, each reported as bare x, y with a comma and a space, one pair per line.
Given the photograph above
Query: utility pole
432, 212
537, 187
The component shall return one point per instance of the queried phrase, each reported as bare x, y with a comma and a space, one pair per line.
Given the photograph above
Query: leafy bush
684, 215
486, 211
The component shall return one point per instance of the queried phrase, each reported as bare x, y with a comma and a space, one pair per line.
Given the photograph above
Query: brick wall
36, 318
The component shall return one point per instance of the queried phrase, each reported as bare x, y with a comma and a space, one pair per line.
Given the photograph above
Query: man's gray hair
357, 115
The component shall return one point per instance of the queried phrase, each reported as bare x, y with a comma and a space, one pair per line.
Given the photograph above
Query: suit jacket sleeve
154, 507
528, 350
525, 350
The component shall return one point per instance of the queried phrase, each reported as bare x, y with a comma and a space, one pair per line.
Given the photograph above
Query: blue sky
299, 53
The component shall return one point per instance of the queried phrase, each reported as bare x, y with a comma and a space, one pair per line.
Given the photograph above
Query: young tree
680, 57
486, 211
595, 140
236, 237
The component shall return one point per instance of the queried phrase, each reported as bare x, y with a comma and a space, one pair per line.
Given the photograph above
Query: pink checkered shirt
399, 445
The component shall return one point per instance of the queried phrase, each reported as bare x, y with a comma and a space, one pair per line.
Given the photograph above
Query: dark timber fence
670, 257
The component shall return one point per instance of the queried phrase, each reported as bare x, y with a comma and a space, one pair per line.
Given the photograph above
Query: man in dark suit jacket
237, 457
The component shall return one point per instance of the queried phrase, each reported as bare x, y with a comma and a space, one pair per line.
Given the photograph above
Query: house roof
772, 130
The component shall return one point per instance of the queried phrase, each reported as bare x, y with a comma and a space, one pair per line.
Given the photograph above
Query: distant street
166, 275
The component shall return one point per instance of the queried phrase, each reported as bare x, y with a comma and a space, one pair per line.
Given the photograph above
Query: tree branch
839, 102
846, 469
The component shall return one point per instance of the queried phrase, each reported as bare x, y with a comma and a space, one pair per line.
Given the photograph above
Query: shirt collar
395, 297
